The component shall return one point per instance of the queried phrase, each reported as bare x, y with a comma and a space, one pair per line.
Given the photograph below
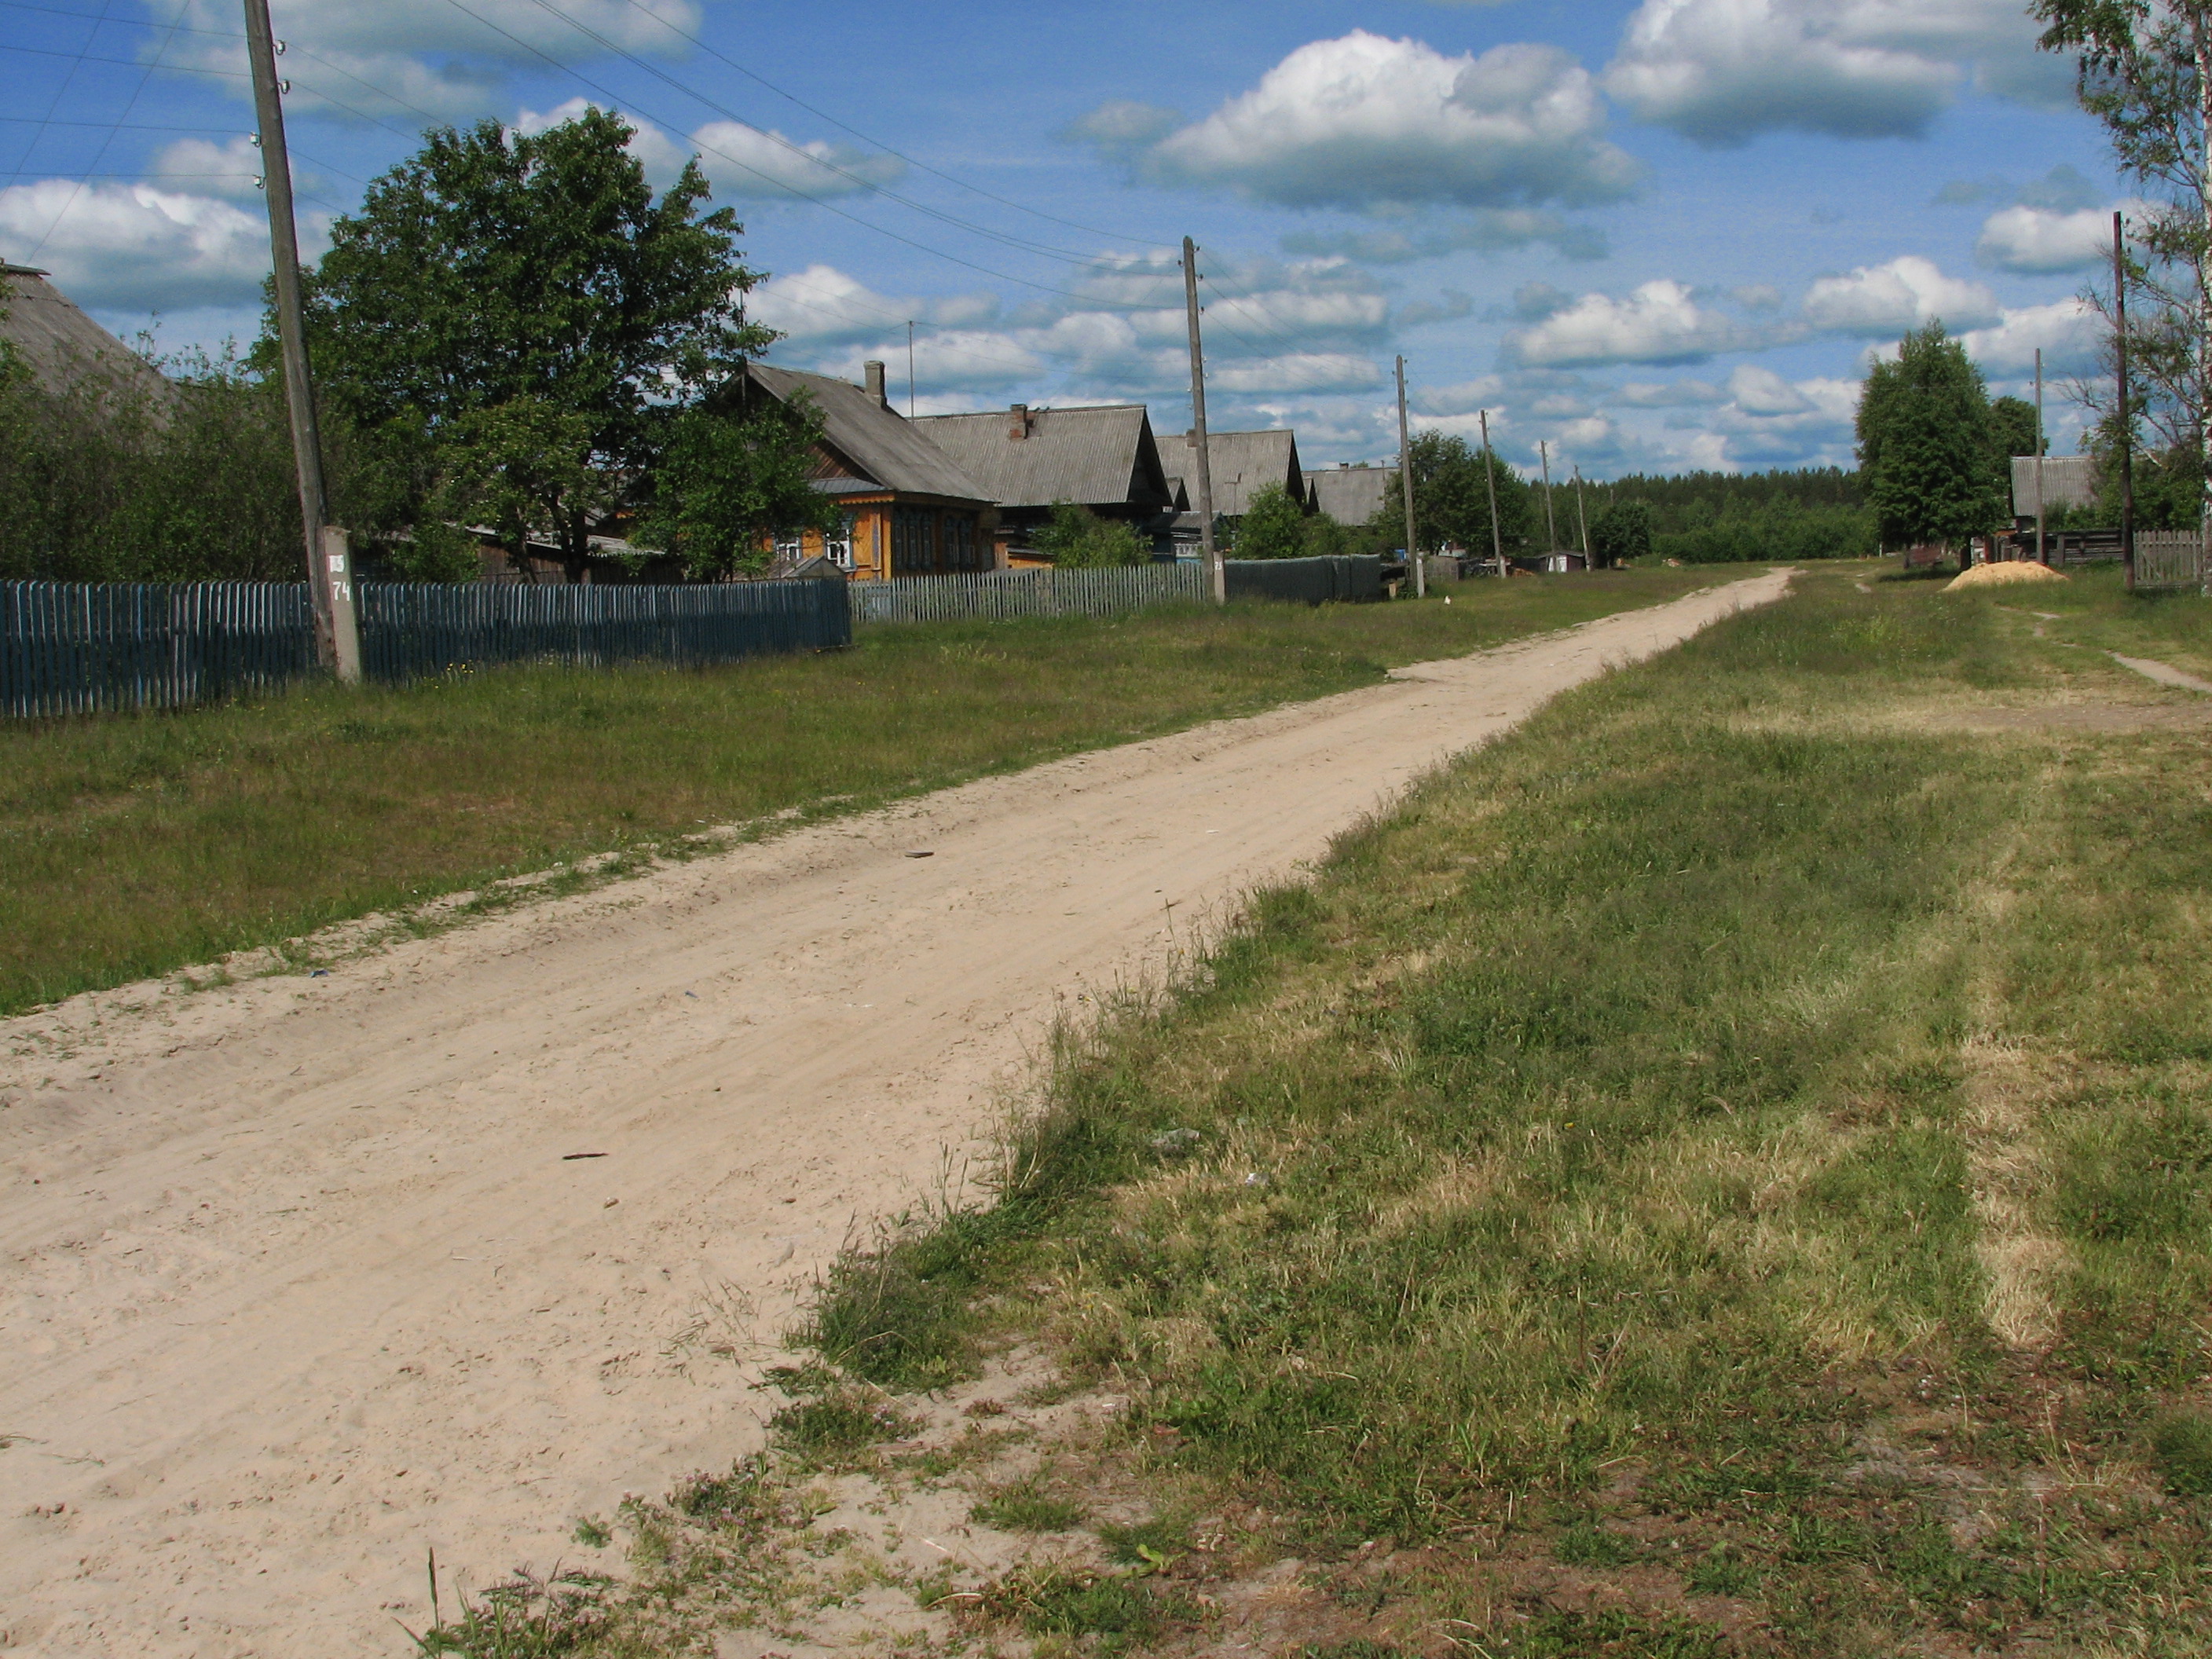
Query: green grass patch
133, 845
1747, 1128
1028, 1508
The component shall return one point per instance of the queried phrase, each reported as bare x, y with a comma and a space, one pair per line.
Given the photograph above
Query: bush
1078, 538
1273, 527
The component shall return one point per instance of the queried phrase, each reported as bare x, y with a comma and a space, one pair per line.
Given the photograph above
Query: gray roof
1351, 494
61, 345
2067, 480
1241, 462
883, 443
1100, 456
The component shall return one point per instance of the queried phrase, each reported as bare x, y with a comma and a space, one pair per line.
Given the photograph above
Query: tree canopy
1274, 525
1076, 538
1926, 444
1450, 501
517, 330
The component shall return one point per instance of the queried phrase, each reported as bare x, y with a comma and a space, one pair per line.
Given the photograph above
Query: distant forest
1708, 518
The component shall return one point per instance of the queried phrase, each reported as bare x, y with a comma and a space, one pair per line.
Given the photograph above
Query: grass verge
133, 845
1727, 1170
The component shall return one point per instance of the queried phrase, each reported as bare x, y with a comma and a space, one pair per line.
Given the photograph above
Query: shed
1243, 463
1351, 494
2067, 480
910, 510
1100, 456
62, 347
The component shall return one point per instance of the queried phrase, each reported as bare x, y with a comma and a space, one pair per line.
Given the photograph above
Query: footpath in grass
133, 845
1727, 1170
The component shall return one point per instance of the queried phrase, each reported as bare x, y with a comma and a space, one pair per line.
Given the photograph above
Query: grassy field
1725, 1171
133, 845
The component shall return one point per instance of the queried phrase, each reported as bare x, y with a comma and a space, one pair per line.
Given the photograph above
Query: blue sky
1656, 233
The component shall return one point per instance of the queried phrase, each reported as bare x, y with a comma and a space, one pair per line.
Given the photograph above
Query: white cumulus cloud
1905, 293
823, 305
1300, 371
2036, 242
1661, 322
1720, 71
744, 161
135, 248
1368, 122
2068, 331
202, 167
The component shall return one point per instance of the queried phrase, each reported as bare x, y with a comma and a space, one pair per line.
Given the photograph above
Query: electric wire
107, 141
828, 207
823, 114
1023, 244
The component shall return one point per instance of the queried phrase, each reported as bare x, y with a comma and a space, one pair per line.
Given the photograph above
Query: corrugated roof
62, 346
1242, 462
1351, 494
1100, 456
883, 443
2067, 480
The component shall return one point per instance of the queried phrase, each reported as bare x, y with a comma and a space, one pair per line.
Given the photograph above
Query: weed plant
1744, 1138
131, 846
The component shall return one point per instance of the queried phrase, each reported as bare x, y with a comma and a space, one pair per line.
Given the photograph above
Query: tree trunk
575, 535
2201, 40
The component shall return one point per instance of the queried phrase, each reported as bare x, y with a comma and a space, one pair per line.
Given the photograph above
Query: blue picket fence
77, 649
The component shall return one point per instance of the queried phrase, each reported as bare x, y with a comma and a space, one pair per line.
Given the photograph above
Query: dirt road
459, 1242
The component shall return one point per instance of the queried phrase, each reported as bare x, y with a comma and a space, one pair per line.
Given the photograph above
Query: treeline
1720, 518
110, 478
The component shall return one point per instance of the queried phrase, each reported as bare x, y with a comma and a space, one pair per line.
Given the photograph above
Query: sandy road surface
297, 1277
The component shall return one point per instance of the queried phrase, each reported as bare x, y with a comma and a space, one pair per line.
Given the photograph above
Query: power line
793, 190
1022, 244
107, 141
823, 114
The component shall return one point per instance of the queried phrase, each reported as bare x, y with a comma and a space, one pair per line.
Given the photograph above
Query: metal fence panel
80, 648
2169, 559
995, 595
1334, 580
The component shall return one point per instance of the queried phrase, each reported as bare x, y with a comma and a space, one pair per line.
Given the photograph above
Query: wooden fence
994, 595
75, 648
2169, 560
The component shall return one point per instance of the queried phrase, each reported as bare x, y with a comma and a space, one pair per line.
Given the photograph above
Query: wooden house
1351, 494
910, 510
1243, 464
1102, 457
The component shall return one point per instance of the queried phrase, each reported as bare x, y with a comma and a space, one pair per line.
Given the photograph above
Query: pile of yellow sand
1997, 575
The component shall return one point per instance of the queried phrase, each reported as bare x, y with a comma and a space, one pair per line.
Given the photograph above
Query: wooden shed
909, 510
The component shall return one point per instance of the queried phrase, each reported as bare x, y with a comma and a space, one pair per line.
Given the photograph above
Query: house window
914, 550
790, 547
960, 542
838, 548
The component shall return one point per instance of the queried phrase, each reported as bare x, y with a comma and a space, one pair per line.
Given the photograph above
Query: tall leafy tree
517, 328
2145, 71
1450, 501
1925, 443
1274, 525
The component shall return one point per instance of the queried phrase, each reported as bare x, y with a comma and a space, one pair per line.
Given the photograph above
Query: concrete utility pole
1406, 486
1214, 571
1551, 523
1582, 517
2042, 552
1490, 484
2127, 436
330, 563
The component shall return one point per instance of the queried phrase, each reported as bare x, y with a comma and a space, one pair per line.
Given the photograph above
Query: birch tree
2145, 71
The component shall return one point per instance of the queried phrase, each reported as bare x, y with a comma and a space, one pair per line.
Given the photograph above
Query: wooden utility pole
2042, 549
1582, 518
1551, 523
2127, 436
909, 368
1489, 482
1406, 488
1214, 571
329, 564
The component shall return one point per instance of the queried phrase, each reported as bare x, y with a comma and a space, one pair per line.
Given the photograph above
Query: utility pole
1214, 571
1406, 487
330, 563
2127, 436
1489, 482
1550, 525
1582, 517
909, 368
2042, 551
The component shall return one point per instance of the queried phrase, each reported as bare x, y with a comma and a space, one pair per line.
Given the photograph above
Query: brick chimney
874, 373
1017, 421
